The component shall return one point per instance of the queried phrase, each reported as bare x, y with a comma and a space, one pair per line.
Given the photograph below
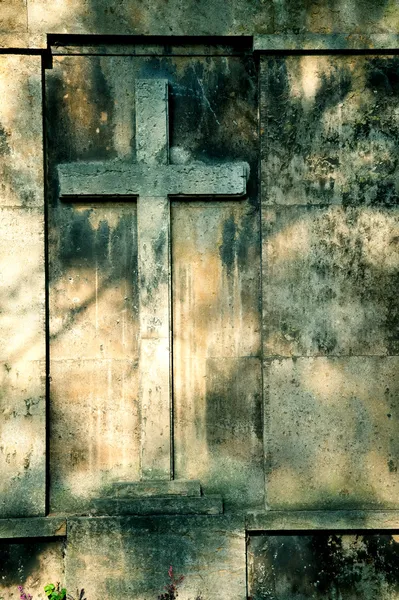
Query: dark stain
4, 147
227, 250
19, 560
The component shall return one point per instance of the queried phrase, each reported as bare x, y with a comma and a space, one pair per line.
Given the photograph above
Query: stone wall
272, 398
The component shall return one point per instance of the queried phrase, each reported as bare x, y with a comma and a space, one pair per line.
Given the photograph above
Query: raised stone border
343, 520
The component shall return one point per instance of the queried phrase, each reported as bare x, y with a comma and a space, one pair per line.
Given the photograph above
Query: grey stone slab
33, 527
330, 433
328, 41
332, 281
152, 121
328, 520
117, 178
132, 555
138, 489
329, 130
168, 505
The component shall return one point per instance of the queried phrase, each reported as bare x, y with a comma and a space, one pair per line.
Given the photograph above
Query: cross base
158, 497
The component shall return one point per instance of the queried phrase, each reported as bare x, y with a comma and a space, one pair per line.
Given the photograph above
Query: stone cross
152, 180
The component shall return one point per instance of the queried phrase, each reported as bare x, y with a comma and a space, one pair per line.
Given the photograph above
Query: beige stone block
215, 279
330, 281
13, 16
22, 439
21, 131
95, 429
331, 433
94, 289
218, 436
22, 290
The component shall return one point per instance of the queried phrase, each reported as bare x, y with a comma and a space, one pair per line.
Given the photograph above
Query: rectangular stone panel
330, 281
131, 556
329, 130
22, 438
217, 371
331, 433
21, 127
22, 365
94, 291
31, 564
95, 429
324, 565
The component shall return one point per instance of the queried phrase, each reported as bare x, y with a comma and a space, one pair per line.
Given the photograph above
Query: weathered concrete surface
331, 433
208, 551
324, 565
239, 17
329, 130
22, 335
32, 564
91, 103
331, 281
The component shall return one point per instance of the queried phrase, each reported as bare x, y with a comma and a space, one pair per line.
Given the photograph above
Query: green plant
53, 592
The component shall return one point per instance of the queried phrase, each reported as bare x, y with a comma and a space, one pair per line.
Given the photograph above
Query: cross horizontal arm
117, 178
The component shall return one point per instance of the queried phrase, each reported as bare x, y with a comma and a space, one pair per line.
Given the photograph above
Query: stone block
95, 429
329, 130
330, 433
22, 292
218, 428
172, 505
332, 520
130, 556
21, 131
325, 565
23, 439
140, 489
331, 281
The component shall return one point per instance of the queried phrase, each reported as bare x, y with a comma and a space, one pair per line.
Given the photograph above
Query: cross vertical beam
153, 227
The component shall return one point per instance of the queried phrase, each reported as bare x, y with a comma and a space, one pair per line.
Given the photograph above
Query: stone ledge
319, 42
172, 505
276, 520
144, 489
33, 527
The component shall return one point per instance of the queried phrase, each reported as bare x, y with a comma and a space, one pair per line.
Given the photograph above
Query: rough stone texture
13, 16
324, 566
32, 564
91, 104
332, 41
332, 281
22, 337
213, 18
331, 428
209, 551
330, 130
